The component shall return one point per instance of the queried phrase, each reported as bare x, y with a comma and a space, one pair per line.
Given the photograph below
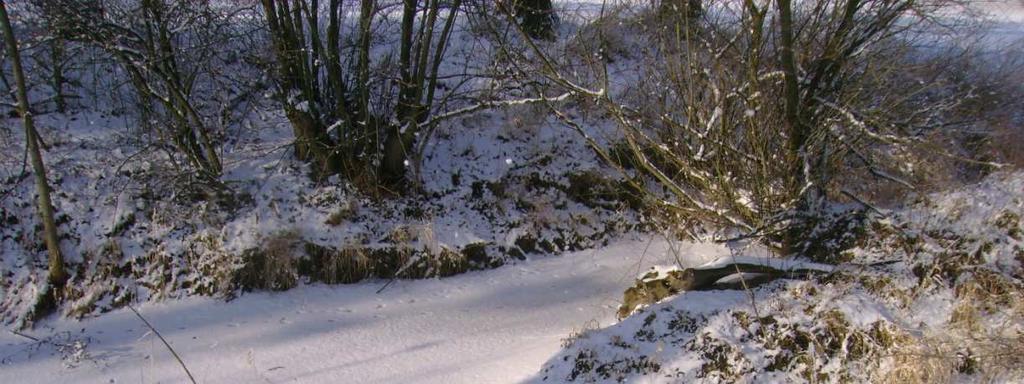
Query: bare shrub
741, 137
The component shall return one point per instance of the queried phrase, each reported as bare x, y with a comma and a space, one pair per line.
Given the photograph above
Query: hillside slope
933, 293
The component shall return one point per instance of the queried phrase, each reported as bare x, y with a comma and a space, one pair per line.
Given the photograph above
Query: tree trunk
57, 75
397, 143
797, 130
366, 11
791, 93
57, 275
333, 64
297, 80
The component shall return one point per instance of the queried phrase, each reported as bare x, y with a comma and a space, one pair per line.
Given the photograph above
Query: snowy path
494, 326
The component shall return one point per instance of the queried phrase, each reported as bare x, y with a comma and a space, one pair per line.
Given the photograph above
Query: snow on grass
121, 212
493, 177
944, 304
495, 326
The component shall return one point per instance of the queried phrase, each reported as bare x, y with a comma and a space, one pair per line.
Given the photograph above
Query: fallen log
659, 284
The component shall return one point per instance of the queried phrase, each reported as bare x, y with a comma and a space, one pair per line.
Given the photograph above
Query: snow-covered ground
932, 296
498, 326
494, 326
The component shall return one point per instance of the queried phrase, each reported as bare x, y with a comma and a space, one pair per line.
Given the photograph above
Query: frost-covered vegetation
932, 293
140, 218
858, 161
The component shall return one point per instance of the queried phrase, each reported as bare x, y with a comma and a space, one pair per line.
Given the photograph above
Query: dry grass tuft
581, 333
984, 336
271, 266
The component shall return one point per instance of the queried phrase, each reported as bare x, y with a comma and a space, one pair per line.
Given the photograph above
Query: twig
35, 339
73, 350
157, 333
743, 282
399, 273
862, 202
393, 278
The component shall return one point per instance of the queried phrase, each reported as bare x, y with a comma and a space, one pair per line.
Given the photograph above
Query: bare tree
145, 38
57, 275
746, 122
340, 125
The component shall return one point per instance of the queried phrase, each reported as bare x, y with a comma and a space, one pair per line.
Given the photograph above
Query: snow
781, 264
490, 326
1003, 10
709, 337
494, 326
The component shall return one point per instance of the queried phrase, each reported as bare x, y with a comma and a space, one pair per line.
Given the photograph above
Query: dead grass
350, 264
580, 333
984, 336
271, 265
941, 357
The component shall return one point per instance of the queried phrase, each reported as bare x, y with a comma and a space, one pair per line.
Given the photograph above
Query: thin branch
166, 344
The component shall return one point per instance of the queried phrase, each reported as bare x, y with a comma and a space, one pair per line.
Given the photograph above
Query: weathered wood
652, 288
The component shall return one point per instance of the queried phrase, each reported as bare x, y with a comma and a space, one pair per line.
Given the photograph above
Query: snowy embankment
494, 326
498, 185
932, 293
